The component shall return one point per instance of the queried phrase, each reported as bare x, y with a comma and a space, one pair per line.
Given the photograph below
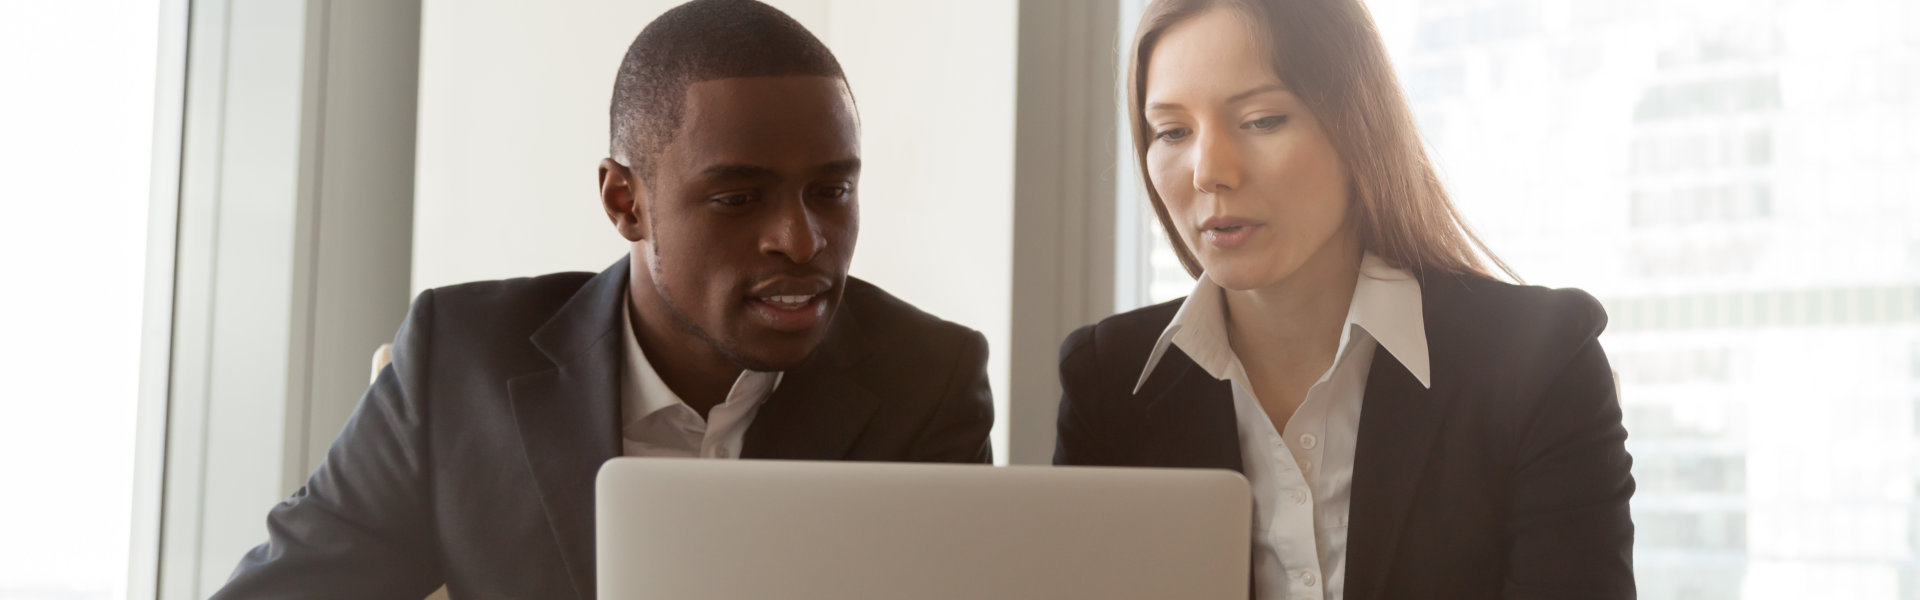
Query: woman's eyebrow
1271, 87
1255, 91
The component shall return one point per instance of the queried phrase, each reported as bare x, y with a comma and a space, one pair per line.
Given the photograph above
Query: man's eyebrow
849, 165
737, 171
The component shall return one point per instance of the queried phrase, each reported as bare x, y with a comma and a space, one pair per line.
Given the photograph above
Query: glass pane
74, 158
1739, 183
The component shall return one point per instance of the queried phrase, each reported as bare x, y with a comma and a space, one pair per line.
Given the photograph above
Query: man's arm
360, 527
1569, 530
959, 428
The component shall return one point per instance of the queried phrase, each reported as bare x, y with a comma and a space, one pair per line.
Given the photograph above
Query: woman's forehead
1206, 58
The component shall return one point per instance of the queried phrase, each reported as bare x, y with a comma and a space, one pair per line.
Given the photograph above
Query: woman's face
1250, 181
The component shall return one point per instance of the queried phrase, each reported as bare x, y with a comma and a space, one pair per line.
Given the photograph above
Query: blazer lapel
1399, 421
820, 408
815, 415
569, 415
1190, 419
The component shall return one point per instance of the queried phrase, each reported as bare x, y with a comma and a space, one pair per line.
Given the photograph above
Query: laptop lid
693, 529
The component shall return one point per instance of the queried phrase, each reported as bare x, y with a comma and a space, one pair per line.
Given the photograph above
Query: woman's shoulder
1100, 362
1488, 328
1114, 335
1511, 309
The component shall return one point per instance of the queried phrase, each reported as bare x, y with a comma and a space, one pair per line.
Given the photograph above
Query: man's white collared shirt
656, 422
1302, 477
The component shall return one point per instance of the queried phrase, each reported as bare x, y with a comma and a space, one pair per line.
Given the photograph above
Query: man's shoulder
518, 294
890, 324
514, 306
918, 362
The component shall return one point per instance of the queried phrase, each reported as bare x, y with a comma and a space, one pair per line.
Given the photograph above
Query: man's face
752, 215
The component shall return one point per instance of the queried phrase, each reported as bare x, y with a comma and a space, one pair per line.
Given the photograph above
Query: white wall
513, 123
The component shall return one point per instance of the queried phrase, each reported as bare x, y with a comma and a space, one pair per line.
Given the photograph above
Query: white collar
1386, 305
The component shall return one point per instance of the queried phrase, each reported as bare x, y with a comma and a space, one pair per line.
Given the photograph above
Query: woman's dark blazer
1507, 479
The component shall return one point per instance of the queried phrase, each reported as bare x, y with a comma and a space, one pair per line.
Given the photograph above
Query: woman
1411, 427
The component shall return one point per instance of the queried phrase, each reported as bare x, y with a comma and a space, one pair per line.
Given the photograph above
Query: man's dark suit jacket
471, 459
1507, 479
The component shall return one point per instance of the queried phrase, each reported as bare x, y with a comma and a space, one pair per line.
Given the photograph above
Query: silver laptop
690, 529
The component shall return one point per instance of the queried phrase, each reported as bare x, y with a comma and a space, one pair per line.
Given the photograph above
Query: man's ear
624, 198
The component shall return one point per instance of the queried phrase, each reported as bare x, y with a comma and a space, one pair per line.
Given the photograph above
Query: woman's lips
1227, 233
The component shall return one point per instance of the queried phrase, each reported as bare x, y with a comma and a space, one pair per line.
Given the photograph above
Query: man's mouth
790, 305
788, 302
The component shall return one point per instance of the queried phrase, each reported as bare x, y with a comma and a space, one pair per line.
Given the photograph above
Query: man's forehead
754, 92
797, 124
764, 102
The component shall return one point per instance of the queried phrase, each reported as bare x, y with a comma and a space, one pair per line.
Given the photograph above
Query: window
1737, 187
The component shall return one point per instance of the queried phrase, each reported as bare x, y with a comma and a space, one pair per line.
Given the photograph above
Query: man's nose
794, 233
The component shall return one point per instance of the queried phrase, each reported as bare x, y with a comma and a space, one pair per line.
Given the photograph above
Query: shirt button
1307, 578
1305, 467
1298, 496
1308, 441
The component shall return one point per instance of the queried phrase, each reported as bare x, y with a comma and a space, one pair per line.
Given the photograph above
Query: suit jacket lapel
820, 407
815, 415
1399, 422
1190, 417
569, 415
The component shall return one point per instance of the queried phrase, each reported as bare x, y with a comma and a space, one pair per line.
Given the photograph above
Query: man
730, 330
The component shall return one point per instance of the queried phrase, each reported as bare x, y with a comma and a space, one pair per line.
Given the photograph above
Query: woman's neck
1295, 323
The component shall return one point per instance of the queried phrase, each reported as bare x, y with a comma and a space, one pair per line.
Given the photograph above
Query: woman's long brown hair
1336, 64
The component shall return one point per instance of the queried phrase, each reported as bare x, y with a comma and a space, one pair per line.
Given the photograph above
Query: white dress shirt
659, 423
1303, 479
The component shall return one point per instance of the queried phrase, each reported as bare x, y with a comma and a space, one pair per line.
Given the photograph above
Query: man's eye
1172, 135
834, 192
733, 200
1266, 123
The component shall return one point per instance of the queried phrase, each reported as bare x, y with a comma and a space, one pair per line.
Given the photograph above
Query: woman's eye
1172, 135
1266, 123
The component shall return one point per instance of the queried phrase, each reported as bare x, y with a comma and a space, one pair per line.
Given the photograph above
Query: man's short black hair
700, 41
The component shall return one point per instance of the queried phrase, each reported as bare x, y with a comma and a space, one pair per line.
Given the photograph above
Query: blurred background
212, 211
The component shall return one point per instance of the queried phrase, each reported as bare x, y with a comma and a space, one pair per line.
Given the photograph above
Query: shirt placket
1291, 529
1304, 441
1303, 575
